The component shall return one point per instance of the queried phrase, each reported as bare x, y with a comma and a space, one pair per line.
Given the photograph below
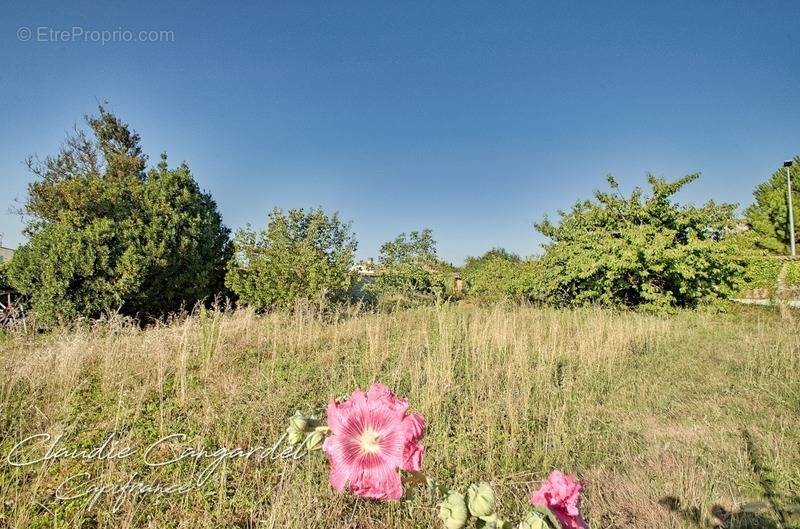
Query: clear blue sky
464, 117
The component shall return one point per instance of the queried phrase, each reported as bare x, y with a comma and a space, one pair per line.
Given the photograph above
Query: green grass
672, 421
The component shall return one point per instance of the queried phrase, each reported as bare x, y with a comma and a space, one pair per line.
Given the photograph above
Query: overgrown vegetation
499, 275
760, 277
300, 256
685, 421
411, 272
641, 250
107, 235
678, 420
4, 284
768, 216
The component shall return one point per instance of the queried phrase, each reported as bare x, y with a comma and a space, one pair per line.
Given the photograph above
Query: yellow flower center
369, 441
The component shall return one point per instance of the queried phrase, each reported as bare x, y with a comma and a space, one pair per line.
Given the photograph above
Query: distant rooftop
6, 253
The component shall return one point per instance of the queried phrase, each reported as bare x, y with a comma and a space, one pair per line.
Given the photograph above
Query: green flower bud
491, 522
453, 511
480, 499
314, 441
294, 435
534, 520
299, 421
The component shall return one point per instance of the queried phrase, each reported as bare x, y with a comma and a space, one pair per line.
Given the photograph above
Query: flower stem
417, 477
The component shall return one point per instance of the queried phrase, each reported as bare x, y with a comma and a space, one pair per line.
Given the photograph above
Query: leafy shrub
4, 284
107, 235
300, 256
499, 275
792, 274
760, 276
410, 273
641, 251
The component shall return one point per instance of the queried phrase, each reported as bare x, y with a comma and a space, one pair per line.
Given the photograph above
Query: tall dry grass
671, 421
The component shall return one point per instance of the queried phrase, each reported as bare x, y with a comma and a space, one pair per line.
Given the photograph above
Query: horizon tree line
106, 233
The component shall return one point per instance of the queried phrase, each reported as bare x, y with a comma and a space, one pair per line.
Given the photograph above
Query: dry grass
672, 421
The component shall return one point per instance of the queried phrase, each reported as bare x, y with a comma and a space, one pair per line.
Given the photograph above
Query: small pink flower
372, 437
562, 495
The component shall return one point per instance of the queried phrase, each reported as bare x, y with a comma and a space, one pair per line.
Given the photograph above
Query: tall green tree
186, 244
410, 271
418, 247
768, 217
302, 255
494, 253
105, 234
641, 250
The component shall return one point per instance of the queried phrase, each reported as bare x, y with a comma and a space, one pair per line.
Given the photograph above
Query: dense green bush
107, 235
410, 273
499, 275
4, 284
300, 256
793, 274
641, 251
760, 273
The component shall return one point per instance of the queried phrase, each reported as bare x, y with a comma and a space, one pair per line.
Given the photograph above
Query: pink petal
338, 477
337, 414
379, 485
537, 498
380, 395
561, 494
413, 424
413, 456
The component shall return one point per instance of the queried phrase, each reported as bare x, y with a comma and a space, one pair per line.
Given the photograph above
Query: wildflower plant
373, 445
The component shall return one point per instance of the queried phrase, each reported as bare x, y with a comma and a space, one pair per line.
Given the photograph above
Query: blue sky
472, 119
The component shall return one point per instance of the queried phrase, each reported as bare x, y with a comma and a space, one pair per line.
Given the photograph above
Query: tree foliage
301, 255
105, 234
4, 283
501, 275
494, 253
768, 217
410, 271
640, 251
418, 247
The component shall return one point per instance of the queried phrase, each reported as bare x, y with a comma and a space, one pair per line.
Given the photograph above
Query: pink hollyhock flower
562, 495
372, 437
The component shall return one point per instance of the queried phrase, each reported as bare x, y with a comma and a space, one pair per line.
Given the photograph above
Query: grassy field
671, 421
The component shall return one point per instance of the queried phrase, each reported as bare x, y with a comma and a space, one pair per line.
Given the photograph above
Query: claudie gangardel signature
172, 449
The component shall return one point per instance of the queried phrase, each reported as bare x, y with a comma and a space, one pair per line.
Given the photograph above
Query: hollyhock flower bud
480, 499
490, 522
314, 441
534, 520
294, 436
299, 421
453, 511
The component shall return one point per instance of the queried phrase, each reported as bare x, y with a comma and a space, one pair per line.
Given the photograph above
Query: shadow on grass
723, 518
767, 513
